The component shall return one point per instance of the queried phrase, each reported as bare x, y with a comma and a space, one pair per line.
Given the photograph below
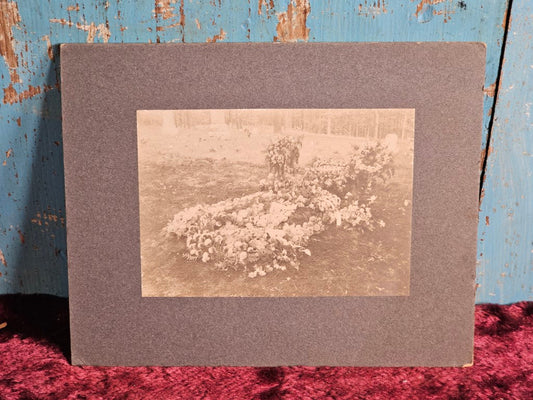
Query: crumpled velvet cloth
33, 365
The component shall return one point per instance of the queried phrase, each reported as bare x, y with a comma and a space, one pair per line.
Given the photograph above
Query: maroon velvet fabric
33, 365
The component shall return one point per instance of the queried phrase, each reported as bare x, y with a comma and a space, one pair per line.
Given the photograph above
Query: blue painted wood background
32, 219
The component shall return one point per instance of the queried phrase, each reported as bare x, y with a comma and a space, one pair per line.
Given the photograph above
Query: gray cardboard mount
111, 324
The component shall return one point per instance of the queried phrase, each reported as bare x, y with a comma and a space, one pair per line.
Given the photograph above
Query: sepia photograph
275, 202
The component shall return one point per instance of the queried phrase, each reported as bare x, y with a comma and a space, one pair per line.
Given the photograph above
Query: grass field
202, 166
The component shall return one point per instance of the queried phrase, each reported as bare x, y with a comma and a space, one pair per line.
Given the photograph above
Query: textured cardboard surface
111, 324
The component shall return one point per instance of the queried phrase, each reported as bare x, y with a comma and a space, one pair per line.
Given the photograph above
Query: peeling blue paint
505, 272
32, 190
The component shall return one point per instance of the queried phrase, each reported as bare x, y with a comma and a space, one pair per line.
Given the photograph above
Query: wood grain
32, 231
505, 272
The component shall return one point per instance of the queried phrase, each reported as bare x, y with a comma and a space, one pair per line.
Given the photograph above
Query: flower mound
270, 229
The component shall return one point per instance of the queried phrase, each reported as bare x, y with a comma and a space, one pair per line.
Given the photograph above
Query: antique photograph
275, 202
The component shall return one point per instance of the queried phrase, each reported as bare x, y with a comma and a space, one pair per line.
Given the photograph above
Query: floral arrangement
282, 156
270, 229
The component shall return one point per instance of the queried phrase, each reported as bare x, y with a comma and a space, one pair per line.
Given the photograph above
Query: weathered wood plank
505, 272
32, 234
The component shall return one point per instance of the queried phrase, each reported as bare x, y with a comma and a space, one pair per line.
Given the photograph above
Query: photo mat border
111, 324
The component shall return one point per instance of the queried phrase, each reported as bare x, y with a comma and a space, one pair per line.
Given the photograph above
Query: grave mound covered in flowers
270, 229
